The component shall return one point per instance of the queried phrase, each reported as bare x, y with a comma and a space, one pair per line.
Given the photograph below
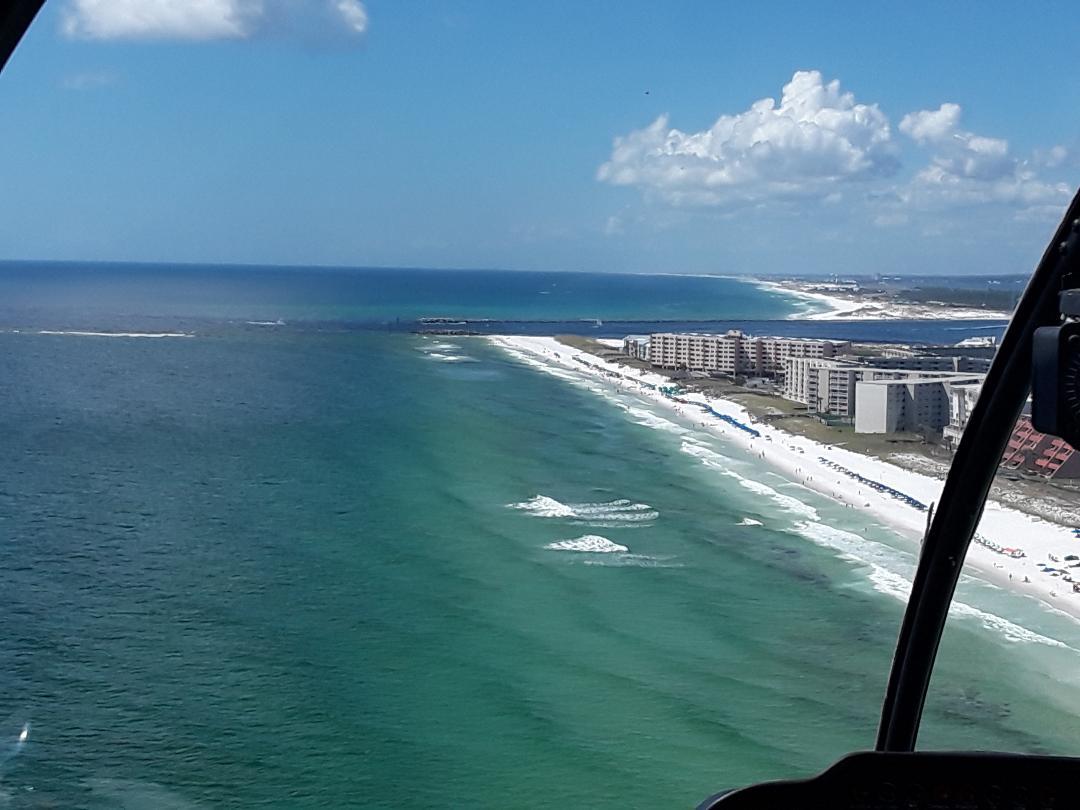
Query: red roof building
1035, 452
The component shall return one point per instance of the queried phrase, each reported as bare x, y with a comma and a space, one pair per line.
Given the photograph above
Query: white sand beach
842, 308
886, 492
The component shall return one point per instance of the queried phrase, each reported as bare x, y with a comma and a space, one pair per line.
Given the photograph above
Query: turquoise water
283, 569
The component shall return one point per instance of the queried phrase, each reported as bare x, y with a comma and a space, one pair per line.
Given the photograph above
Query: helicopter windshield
406, 406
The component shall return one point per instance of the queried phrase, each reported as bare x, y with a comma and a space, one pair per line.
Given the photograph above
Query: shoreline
843, 308
830, 471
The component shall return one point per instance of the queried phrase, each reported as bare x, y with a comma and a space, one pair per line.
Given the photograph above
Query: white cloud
817, 139
958, 152
930, 126
199, 19
818, 143
966, 168
1054, 157
353, 14
158, 19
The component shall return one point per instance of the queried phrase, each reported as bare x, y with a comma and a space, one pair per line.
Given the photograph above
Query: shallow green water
280, 570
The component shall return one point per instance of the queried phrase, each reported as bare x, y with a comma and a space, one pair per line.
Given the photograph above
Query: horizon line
735, 275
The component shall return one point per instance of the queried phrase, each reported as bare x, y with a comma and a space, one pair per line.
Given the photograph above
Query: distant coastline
836, 305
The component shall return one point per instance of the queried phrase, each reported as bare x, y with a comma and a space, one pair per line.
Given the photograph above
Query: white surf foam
543, 506
618, 511
786, 502
652, 420
887, 580
749, 522
77, 333
631, 561
710, 458
584, 379
605, 514
450, 358
592, 543
883, 578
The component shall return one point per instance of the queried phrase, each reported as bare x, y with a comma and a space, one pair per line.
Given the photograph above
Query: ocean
326, 564
212, 299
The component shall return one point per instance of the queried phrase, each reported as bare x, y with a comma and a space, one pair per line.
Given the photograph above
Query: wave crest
619, 511
591, 543
866, 552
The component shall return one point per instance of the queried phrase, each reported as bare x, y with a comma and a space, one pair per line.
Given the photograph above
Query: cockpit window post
960, 508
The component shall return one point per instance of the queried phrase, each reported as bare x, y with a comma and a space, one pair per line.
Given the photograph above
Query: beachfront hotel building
906, 405
735, 353
636, 346
823, 386
877, 399
1028, 450
956, 364
828, 386
962, 397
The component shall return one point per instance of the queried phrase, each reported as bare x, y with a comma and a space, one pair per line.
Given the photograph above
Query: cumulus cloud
809, 145
157, 19
1054, 157
969, 168
958, 152
818, 143
196, 20
353, 14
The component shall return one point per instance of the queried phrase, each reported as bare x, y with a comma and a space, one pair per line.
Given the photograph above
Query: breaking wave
651, 420
450, 358
618, 512
445, 352
78, 333
710, 458
543, 506
440, 347
786, 502
592, 543
884, 580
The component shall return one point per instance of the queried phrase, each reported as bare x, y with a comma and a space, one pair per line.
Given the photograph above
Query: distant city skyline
694, 138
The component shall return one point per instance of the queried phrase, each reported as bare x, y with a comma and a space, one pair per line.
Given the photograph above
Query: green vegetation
1004, 300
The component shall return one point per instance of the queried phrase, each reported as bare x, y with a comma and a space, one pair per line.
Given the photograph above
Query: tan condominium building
736, 353
913, 404
823, 386
962, 399
877, 400
828, 386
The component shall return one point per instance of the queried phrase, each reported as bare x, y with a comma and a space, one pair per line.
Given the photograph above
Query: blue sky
604, 136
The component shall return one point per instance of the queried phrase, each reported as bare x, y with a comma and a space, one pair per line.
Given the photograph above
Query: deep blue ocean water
369, 296
212, 299
313, 565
